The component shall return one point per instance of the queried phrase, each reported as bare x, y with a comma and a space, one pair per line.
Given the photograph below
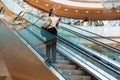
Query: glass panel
109, 41
39, 23
111, 54
30, 18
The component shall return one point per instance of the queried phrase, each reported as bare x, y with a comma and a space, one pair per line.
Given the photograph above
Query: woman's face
53, 12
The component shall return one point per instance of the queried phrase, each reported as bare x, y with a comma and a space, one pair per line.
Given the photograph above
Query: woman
52, 29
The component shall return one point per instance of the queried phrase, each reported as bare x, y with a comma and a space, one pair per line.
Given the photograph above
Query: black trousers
51, 45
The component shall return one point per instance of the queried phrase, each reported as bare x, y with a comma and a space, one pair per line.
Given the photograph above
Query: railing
89, 33
102, 48
111, 42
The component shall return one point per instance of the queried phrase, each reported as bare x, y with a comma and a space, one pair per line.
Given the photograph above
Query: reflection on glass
91, 45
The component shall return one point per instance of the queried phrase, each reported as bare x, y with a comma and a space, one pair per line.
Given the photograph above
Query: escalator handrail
92, 40
93, 33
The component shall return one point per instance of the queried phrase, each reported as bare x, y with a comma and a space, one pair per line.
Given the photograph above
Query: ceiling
87, 9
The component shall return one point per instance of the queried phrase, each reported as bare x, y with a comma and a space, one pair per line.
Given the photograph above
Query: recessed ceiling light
66, 9
76, 10
86, 11
98, 11
36, 0
118, 11
46, 4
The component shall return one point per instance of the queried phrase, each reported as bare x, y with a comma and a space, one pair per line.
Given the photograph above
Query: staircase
69, 69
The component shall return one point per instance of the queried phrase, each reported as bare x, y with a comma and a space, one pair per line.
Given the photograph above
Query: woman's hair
1, 9
51, 10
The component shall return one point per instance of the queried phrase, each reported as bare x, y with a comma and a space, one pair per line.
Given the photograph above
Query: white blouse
54, 20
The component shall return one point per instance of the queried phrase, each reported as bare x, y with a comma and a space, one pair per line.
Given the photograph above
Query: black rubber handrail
93, 33
92, 40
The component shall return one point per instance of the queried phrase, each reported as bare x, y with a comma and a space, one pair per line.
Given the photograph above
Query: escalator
77, 55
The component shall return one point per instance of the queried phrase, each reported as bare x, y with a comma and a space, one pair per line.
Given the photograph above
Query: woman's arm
47, 23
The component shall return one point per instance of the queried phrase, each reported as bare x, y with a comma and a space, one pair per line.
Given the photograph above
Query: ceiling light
98, 11
76, 10
37, 1
118, 11
46, 4
66, 9
86, 11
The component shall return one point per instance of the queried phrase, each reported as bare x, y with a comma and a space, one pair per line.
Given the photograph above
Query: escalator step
65, 66
63, 61
72, 71
79, 77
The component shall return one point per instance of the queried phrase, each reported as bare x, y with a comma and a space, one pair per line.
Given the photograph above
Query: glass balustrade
95, 36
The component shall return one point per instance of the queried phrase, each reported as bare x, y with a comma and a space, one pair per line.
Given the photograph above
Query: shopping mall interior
86, 47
